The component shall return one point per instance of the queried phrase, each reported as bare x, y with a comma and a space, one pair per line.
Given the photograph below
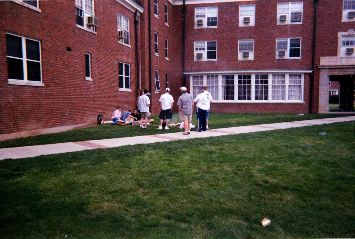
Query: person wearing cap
143, 107
203, 104
166, 104
185, 103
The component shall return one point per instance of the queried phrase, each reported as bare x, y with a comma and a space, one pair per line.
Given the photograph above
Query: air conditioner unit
246, 20
351, 15
199, 56
199, 22
349, 51
93, 21
283, 18
281, 54
122, 35
245, 54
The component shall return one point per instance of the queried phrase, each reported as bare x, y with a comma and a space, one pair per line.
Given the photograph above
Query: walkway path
48, 149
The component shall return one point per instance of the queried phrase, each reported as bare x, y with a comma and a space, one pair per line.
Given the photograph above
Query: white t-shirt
143, 103
203, 100
166, 101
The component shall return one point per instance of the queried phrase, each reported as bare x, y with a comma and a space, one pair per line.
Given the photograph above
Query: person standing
143, 107
185, 103
203, 105
166, 104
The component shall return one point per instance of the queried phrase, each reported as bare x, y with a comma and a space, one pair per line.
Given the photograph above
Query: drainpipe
150, 51
136, 23
183, 41
312, 76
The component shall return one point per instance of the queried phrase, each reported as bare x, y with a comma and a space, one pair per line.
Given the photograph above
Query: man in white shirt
143, 107
203, 105
166, 104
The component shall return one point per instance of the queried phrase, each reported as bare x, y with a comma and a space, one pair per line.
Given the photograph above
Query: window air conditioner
351, 15
246, 20
245, 54
199, 22
349, 51
282, 54
199, 56
93, 21
283, 18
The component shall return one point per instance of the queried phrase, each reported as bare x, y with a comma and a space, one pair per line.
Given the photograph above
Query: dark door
346, 94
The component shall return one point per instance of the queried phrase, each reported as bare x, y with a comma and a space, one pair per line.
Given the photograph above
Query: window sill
25, 83
157, 92
124, 44
27, 5
206, 60
166, 58
289, 58
249, 25
166, 24
289, 23
124, 90
251, 59
156, 16
205, 27
257, 102
86, 29
157, 54
88, 78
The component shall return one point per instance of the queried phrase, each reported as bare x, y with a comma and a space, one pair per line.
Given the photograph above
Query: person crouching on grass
185, 103
166, 104
143, 107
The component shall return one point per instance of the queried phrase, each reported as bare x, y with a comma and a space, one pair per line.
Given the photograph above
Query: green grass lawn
202, 188
118, 131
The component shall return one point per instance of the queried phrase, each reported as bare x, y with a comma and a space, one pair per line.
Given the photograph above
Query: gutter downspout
312, 76
150, 52
183, 41
136, 23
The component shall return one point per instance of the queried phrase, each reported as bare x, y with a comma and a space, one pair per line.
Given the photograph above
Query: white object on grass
265, 222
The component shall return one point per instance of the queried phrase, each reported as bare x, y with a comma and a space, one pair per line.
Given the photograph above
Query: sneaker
166, 127
160, 127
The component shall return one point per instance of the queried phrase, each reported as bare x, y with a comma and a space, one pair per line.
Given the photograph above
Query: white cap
183, 88
167, 89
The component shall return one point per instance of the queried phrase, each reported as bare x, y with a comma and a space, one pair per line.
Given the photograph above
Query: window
246, 15
157, 82
23, 60
278, 87
246, 50
85, 16
244, 87
155, 7
289, 13
156, 50
261, 87
206, 17
166, 49
88, 66
349, 10
124, 75
166, 81
347, 46
295, 87
288, 48
123, 29
166, 14
212, 84
197, 83
33, 3
205, 50
228, 87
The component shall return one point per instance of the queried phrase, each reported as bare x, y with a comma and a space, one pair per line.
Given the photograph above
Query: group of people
185, 103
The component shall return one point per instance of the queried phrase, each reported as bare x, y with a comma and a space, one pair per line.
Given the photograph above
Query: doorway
341, 93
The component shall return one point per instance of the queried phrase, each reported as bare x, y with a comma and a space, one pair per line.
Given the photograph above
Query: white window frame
341, 48
157, 79
155, 6
91, 29
24, 59
251, 52
166, 49
204, 52
156, 43
22, 3
206, 15
269, 99
124, 75
288, 13
242, 14
120, 27
89, 78
287, 56
345, 13
166, 14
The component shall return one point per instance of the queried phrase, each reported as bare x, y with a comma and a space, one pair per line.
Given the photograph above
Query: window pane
295, 42
33, 71
244, 87
127, 82
14, 46
211, 55
246, 45
211, 21
212, 84
127, 70
278, 87
261, 87
79, 17
295, 52
282, 44
14, 69
120, 81
88, 7
296, 17
120, 68
31, 2
197, 83
87, 65
228, 87
32, 50
211, 45
247, 10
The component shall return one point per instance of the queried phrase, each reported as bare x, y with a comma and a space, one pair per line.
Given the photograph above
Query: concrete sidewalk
49, 149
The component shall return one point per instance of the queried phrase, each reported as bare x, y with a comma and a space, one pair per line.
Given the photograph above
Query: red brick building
63, 62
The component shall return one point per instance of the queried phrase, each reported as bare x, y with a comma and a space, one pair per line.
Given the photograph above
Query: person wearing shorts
166, 104
143, 107
185, 103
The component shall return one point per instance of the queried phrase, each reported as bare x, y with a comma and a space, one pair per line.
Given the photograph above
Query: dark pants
201, 114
